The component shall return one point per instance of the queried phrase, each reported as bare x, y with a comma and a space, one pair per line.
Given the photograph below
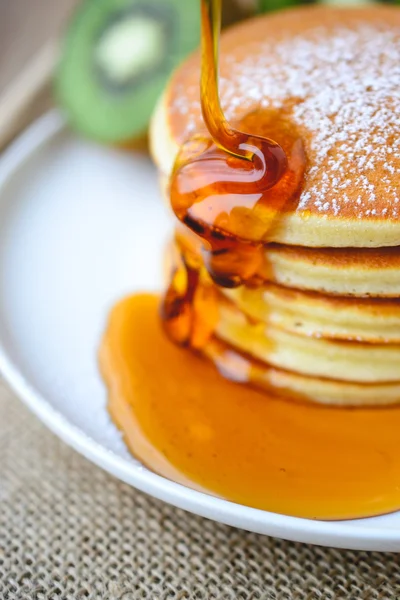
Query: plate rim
339, 534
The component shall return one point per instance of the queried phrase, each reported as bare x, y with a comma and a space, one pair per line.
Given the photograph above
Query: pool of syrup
186, 422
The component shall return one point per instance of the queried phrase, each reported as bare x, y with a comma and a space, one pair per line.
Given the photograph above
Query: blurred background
24, 26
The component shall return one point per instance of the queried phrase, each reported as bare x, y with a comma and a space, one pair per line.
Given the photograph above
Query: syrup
178, 415
186, 422
229, 187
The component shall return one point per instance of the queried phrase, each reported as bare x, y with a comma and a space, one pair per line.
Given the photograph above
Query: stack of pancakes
325, 321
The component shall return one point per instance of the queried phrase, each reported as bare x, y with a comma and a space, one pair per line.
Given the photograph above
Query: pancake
343, 361
334, 72
372, 320
320, 316
324, 391
322, 336
359, 272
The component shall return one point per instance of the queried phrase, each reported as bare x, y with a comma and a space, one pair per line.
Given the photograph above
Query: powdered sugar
344, 85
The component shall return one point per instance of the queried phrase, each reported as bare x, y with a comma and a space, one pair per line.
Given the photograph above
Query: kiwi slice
116, 59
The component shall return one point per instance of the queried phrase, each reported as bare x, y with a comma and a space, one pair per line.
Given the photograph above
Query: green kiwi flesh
117, 57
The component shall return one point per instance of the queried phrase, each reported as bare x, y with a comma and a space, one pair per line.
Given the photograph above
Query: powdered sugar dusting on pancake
341, 85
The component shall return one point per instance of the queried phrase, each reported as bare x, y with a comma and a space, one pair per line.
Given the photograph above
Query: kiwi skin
118, 116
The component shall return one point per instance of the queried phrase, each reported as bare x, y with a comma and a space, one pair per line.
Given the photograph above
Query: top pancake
335, 72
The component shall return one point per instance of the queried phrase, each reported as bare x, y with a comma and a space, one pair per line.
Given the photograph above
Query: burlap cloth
69, 531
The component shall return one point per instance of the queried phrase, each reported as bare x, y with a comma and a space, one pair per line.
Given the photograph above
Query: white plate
81, 226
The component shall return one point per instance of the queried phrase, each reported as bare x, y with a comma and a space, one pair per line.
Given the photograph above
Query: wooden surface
24, 26
29, 34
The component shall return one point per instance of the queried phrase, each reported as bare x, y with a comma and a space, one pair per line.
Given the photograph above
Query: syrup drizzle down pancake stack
318, 317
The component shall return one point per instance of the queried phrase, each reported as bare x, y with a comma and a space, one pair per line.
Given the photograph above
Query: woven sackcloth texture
69, 531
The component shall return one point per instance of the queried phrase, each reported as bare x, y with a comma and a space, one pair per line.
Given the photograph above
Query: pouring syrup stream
220, 186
